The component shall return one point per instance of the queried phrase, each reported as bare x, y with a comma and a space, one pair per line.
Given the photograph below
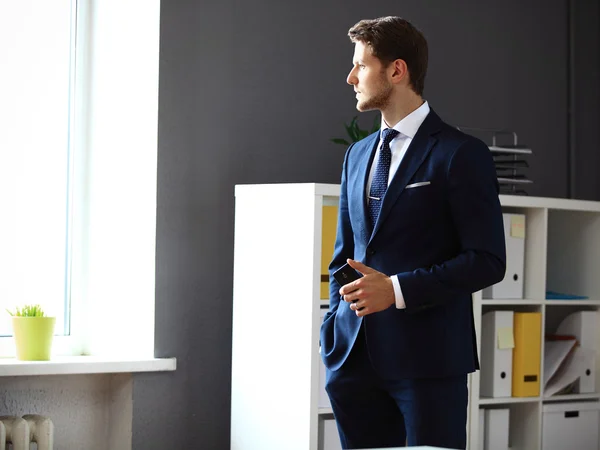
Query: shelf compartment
573, 253
525, 426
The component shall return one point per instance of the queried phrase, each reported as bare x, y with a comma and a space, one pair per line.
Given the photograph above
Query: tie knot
388, 134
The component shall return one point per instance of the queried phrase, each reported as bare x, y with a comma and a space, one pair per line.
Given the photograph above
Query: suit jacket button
370, 251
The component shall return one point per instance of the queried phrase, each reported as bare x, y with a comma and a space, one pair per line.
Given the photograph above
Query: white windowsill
64, 365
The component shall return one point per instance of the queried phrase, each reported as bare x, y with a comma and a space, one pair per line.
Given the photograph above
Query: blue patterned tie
379, 183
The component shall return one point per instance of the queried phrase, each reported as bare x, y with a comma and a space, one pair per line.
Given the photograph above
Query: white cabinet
276, 383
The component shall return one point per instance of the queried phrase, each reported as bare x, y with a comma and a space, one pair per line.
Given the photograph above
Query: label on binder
506, 338
517, 226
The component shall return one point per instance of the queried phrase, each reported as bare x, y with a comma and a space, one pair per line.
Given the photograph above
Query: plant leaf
352, 129
349, 129
355, 133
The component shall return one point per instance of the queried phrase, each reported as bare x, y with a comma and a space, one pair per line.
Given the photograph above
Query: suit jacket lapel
416, 153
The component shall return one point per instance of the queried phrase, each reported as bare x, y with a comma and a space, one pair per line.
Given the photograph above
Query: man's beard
378, 101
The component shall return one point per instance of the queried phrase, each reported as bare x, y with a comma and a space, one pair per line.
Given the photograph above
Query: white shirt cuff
400, 304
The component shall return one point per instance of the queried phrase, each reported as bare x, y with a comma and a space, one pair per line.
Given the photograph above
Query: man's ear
399, 71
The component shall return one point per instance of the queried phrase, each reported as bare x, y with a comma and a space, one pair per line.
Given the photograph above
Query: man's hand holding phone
369, 293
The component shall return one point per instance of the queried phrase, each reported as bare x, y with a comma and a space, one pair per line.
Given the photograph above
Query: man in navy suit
420, 219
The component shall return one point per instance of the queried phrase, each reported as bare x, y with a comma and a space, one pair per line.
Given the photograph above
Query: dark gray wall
251, 92
585, 105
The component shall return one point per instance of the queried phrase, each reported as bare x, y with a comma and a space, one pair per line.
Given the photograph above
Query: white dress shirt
407, 129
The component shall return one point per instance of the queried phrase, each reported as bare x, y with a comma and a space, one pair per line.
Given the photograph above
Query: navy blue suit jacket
444, 240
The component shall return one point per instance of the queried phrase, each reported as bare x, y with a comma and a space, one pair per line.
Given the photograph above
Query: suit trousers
372, 412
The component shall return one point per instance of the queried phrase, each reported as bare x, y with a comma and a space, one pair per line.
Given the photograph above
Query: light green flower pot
33, 337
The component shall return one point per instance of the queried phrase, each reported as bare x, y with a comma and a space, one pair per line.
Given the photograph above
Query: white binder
324, 401
497, 343
496, 429
582, 325
511, 285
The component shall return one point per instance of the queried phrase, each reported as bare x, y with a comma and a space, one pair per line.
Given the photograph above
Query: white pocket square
420, 183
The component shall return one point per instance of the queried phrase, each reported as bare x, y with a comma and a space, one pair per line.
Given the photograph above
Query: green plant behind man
355, 133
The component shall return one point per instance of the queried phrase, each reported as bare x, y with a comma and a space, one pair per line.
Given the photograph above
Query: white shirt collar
411, 123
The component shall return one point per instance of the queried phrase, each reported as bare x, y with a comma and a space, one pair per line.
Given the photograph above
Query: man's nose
351, 78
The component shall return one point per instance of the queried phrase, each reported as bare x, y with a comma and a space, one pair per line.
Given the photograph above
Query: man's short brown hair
392, 38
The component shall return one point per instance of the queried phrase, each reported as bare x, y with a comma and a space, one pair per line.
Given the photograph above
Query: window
78, 170
36, 85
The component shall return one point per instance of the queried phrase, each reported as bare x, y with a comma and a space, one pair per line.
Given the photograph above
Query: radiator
21, 431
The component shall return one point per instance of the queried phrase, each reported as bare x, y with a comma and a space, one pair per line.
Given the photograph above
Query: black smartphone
345, 275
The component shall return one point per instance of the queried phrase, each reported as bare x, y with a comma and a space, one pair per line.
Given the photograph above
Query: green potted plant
355, 133
33, 332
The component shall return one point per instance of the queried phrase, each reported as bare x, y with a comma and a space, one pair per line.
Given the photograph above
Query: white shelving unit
562, 253
276, 309
276, 315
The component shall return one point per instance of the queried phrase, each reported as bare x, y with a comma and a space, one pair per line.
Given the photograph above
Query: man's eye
362, 66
